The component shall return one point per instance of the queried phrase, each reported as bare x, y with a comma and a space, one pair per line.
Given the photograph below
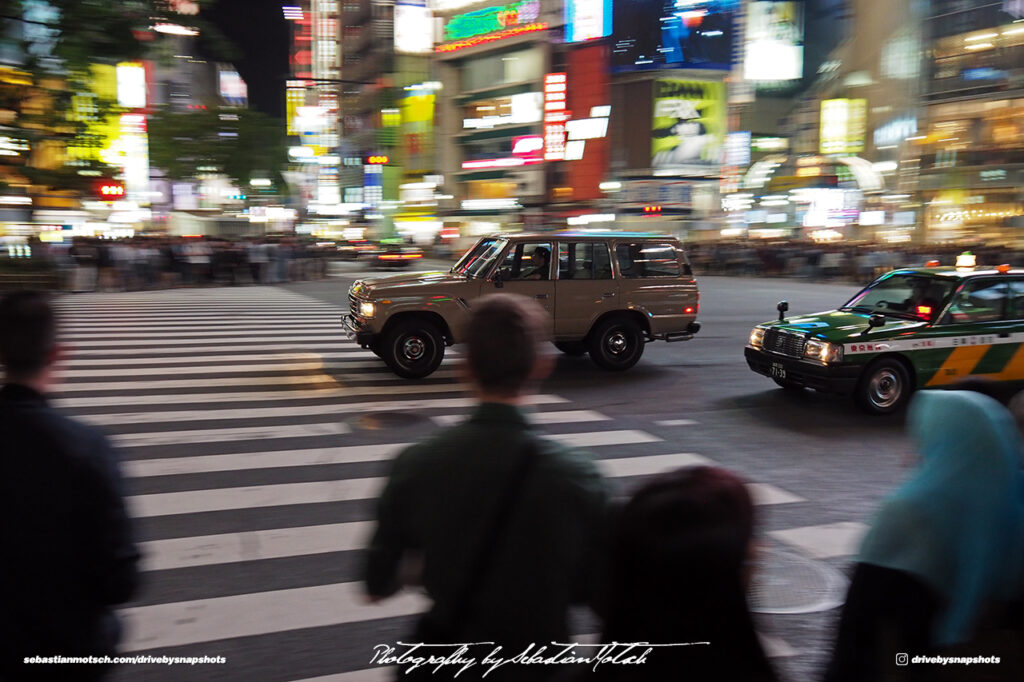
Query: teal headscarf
958, 522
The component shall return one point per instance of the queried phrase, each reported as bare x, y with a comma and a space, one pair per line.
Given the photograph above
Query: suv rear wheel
616, 344
884, 387
413, 349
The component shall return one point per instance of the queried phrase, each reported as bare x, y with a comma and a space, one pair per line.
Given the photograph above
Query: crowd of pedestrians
505, 530
840, 262
159, 262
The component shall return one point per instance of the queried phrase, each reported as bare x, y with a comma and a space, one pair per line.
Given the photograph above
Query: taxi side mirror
876, 320
782, 307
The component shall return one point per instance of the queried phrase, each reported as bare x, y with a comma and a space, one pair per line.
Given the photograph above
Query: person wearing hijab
679, 573
944, 547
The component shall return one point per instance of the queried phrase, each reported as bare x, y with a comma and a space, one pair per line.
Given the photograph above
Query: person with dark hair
680, 567
539, 265
505, 526
66, 534
945, 549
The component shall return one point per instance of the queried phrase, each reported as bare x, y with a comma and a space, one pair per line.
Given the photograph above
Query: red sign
555, 116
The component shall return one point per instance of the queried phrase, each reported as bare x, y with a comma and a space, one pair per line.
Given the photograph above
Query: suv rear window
647, 259
584, 260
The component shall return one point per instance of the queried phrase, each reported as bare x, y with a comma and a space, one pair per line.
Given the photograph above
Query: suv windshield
478, 259
904, 295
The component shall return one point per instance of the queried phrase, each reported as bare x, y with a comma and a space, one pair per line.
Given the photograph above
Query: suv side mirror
499, 281
782, 307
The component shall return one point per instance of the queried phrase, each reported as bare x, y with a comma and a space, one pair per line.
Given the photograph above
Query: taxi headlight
367, 309
757, 337
823, 351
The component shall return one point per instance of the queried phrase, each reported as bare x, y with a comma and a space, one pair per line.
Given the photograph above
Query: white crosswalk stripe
240, 418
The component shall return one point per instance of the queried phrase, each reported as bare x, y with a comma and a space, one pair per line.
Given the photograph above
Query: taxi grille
785, 343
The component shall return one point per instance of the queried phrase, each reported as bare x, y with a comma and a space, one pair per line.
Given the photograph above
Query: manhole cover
789, 583
378, 421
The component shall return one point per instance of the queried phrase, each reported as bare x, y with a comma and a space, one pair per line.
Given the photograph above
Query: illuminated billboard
491, 23
774, 42
587, 19
689, 124
843, 126
414, 33
233, 89
131, 85
652, 34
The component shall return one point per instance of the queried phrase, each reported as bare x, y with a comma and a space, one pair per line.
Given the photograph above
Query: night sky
259, 34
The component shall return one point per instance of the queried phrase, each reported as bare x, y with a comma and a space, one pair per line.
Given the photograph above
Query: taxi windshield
477, 260
904, 295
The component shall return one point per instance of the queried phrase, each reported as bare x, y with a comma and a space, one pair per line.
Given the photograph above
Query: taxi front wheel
884, 387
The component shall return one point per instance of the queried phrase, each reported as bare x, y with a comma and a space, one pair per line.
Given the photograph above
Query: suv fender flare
431, 317
630, 313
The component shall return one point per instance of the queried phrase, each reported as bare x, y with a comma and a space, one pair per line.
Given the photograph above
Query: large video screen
692, 34
774, 42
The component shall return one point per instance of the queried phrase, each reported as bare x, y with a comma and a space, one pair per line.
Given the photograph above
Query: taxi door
584, 288
973, 337
526, 269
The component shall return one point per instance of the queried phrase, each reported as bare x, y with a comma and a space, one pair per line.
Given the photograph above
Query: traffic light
652, 210
377, 160
109, 190
238, 197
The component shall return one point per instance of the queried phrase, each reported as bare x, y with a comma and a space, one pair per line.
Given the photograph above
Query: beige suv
608, 294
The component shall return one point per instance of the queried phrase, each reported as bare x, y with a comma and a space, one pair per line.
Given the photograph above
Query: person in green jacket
443, 496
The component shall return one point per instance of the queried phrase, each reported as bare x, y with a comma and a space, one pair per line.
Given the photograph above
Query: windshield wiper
864, 308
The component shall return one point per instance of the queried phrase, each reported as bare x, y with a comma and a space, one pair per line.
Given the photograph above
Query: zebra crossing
254, 439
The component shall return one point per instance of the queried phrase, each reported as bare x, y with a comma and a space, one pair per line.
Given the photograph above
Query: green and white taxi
911, 328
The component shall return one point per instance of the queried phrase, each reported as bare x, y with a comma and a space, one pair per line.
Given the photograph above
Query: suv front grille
785, 343
353, 304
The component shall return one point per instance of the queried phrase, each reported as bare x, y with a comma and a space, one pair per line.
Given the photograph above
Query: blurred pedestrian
66, 536
944, 548
505, 525
681, 552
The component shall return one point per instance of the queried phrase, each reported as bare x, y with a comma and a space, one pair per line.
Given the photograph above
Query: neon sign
491, 37
491, 19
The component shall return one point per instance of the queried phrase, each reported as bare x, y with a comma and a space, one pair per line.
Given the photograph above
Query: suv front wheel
413, 349
616, 344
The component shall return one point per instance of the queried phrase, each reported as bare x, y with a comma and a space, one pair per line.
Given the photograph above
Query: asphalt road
254, 437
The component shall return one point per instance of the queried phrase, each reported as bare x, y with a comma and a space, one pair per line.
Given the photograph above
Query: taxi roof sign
966, 260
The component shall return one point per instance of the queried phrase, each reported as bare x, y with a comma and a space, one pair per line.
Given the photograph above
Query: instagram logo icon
902, 659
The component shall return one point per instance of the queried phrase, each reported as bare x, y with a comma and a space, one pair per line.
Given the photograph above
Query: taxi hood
839, 326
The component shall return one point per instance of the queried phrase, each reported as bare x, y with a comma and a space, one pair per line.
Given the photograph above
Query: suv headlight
757, 337
823, 351
367, 309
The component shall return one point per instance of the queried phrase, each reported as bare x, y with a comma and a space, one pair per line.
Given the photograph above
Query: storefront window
509, 67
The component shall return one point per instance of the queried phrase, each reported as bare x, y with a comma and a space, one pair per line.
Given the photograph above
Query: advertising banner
689, 125
843, 126
418, 131
414, 24
774, 42
587, 19
691, 34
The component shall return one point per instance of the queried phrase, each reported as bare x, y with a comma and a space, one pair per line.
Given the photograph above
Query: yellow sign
843, 126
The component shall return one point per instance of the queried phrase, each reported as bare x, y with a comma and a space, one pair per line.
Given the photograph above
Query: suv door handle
541, 296
608, 294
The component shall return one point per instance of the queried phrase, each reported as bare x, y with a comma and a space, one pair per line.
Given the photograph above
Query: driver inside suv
538, 267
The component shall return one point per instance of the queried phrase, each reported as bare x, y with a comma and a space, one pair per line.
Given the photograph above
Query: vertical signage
555, 116
843, 126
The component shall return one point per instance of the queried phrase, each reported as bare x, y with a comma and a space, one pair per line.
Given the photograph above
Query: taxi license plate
778, 371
